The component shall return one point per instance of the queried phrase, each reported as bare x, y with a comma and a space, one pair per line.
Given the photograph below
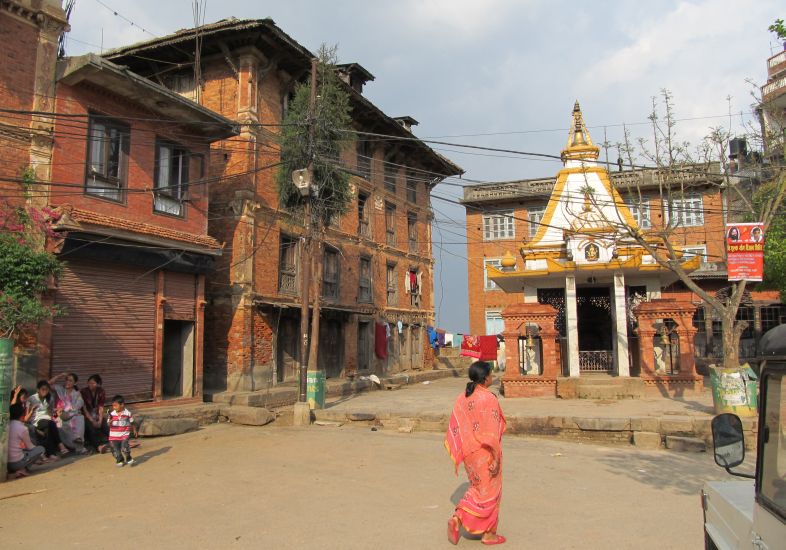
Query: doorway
364, 346
178, 359
596, 347
331, 347
287, 349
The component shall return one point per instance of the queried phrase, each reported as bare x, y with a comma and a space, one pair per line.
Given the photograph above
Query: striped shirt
120, 425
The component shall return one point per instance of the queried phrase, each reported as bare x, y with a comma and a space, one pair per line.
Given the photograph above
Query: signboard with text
745, 251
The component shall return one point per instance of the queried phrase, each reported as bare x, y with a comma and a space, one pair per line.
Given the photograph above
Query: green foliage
775, 243
331, 193
778, 28
24, 274
26, 268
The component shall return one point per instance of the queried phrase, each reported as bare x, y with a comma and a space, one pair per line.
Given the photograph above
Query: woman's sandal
499, 540
453, 530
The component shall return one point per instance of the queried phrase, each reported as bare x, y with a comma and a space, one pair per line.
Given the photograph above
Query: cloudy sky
502, 73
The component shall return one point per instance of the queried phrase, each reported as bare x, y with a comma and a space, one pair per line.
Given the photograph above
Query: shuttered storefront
108, 327
180, 294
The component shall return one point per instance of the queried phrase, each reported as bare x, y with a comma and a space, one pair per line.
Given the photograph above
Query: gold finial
508, 261
579, 141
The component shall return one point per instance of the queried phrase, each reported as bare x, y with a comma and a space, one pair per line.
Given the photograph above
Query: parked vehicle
752, 513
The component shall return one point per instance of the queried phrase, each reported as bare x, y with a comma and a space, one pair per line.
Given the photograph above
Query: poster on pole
745, 251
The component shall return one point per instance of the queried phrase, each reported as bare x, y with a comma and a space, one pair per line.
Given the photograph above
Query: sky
502, 74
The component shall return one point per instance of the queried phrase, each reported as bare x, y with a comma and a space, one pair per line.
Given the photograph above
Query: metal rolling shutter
108, 327
180, 294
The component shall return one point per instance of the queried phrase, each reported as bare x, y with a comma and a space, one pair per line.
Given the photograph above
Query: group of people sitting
59, 419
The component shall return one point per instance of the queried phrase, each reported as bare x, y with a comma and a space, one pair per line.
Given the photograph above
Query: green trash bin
315, 389
734, 390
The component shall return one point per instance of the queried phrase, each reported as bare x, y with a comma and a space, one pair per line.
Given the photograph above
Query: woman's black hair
74, 376
97, 378
478, 372
22, 392
17, 411
42, 384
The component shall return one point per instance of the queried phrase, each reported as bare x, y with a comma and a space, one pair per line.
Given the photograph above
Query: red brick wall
19, 41
70, 157
261, 241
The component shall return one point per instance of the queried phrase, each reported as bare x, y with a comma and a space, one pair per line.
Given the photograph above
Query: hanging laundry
381, 341
400, 326
414, 282
432, 337
387, 330
488, 348
448, 339
470, 346
441, 338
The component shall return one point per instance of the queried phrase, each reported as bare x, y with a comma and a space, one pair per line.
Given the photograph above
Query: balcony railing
776, 60
773, 87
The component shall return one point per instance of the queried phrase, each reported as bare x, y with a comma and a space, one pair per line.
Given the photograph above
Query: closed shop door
288, 349
331, 347
180, 294
108, 327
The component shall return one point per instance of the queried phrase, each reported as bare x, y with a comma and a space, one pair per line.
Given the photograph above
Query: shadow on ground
682, 473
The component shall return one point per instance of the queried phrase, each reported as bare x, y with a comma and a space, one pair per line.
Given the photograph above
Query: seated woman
94, 398
68, 407
39, 410
21, 451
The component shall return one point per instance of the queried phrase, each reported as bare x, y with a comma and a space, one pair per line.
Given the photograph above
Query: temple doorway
595, 324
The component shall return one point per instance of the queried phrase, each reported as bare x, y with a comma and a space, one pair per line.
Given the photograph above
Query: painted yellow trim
556, 193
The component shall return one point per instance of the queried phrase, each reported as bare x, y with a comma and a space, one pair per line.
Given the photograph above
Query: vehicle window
773, 474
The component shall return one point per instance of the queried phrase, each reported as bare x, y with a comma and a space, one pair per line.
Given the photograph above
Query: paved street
439, 396
228, 486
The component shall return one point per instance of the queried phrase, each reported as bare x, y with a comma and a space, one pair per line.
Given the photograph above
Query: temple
591, 284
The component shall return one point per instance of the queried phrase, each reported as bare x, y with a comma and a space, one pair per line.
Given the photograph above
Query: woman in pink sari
474, 437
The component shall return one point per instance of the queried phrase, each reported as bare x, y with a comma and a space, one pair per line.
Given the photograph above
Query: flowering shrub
26, 268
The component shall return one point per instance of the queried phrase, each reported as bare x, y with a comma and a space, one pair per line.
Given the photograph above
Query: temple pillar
572, 325
622, 362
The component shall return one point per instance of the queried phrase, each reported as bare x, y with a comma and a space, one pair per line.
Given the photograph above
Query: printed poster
745, 251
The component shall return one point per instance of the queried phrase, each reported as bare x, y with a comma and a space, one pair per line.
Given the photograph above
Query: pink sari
476, 427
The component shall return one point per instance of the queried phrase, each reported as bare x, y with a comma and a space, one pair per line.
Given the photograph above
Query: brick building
129, 178
773, 108
29, 33
544, 251
373, 254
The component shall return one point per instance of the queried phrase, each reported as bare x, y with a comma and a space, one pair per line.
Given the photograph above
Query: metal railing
596, 361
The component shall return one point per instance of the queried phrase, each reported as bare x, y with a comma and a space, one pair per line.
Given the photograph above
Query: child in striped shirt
120, 422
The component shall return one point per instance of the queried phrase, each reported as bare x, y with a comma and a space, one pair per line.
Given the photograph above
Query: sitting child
21, 451
120, 422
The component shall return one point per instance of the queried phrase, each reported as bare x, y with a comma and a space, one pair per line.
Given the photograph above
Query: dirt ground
228, 486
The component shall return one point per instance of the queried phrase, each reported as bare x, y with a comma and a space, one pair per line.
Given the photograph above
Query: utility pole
302, 411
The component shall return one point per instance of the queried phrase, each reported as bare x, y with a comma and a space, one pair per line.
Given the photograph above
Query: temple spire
580, 144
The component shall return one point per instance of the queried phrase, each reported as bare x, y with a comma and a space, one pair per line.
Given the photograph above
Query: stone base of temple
529, 386
600, 387
673, 386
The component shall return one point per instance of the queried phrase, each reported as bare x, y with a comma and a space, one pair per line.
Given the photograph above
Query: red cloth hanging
381, 341
470, 346
488, 348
